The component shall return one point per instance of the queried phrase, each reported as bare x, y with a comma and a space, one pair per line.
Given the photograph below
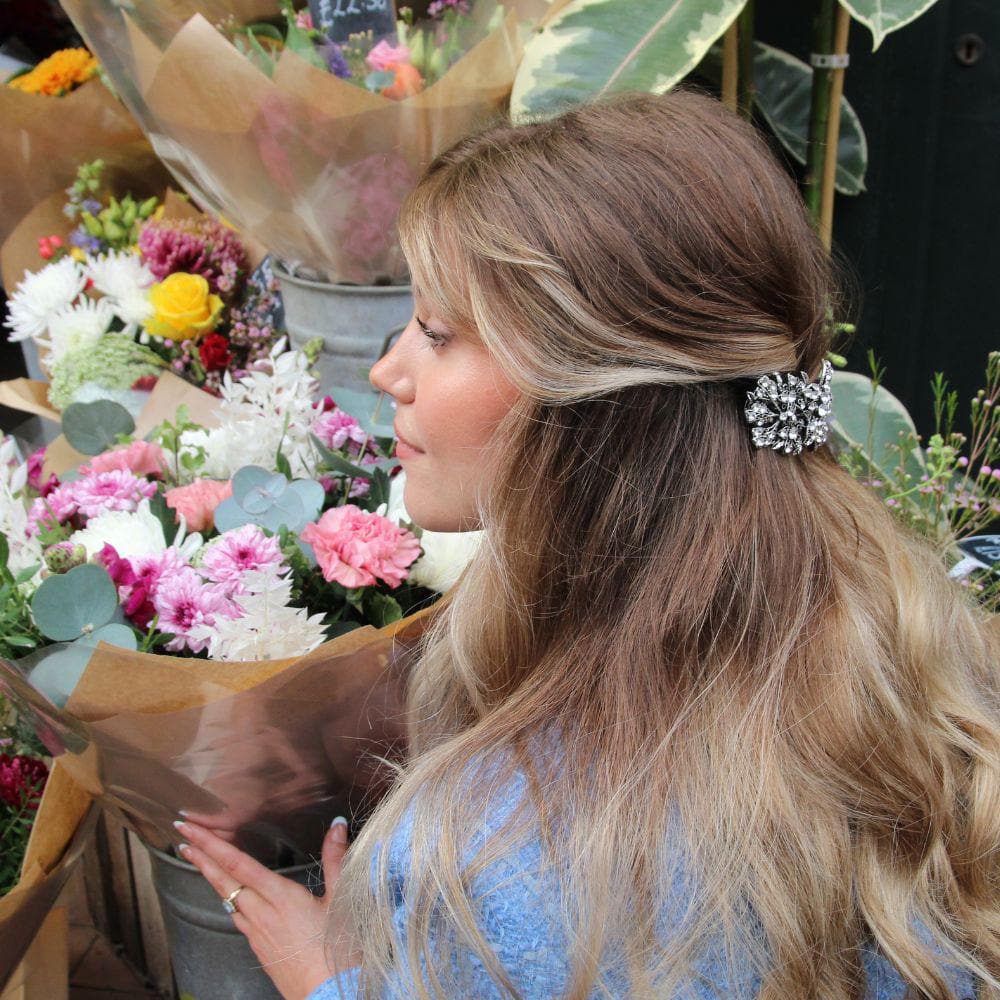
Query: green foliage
117, 223
184, 461
270, 500
114, 362
95, 427
18, 632
597, 47
881, 17
76, 603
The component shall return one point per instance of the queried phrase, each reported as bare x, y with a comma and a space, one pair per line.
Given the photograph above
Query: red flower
214, 352
144, 383
21, 780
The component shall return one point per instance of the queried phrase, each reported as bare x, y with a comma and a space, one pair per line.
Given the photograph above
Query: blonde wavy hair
740, 655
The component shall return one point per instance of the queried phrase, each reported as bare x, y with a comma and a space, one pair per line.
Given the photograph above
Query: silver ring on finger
229, 903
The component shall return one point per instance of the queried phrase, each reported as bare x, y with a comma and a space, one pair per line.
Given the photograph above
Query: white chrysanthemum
39, 296
134, 534
77, 326
268, 628
124, 278
23, 551
446, 553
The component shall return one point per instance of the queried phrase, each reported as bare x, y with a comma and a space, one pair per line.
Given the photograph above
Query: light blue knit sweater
518, 909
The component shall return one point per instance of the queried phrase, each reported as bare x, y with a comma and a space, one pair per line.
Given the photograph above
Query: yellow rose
183, 308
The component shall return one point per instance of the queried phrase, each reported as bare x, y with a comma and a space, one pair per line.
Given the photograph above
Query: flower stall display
306, 139
135, 288
56, 114
212, 570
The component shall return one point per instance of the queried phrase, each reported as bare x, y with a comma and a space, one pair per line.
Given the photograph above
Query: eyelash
437, 339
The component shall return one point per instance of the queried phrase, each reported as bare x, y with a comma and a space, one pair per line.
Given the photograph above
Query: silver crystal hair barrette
787, 412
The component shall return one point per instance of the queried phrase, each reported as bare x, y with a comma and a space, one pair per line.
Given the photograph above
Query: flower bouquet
55, 115
129, 288
269, 554
308, 132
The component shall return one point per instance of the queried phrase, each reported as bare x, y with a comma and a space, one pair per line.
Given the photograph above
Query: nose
392, 373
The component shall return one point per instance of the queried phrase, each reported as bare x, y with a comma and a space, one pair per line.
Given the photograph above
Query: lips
404, 445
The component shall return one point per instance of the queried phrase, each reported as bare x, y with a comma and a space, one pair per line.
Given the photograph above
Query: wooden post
730, 66
819, 110
745, 85
841, 30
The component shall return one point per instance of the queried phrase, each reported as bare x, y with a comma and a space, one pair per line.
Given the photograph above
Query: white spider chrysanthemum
124, 279
268, 629
39, 296
261, 411
77, 326
22, 550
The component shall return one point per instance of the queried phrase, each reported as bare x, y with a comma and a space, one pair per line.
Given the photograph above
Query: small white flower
77, 326
134, 534
124, 279
268, 629
23, 551
39, 296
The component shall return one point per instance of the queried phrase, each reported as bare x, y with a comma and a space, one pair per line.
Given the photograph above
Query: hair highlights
692, 648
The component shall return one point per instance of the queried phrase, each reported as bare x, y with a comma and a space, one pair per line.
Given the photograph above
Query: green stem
745, 84
819, 110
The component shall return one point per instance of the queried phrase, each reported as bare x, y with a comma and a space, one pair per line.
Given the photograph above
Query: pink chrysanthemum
184, 602
358, 549
202, 246
237, 552
335, 428
118, 489
57, 507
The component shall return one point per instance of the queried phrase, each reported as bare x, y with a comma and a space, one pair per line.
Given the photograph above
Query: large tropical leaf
883, 16
783, 92
596, 47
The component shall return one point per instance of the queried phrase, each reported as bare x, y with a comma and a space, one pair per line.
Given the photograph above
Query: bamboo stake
819, 109
745, 84
841, 29
730, 66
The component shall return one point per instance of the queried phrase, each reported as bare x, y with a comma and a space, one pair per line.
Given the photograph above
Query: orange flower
407, 83
59, 74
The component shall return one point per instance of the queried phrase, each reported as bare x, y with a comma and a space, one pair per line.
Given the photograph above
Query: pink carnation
184, 602
237, 552
357, 549
197, 502
335, 428
383, 56
139, 581
118, 489
144, 458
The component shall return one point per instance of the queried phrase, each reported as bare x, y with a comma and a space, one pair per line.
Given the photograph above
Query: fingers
248, 900
334, 851
229, 866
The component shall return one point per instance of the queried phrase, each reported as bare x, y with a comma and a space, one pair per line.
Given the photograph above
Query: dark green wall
925, 238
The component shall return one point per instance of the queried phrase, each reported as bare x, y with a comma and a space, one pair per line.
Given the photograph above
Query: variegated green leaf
883, 16
783, 92
597, 47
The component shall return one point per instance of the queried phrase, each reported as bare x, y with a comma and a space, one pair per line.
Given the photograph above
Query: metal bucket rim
341, 287
184, 866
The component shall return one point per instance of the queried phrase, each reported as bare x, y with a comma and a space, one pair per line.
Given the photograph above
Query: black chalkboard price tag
340, 18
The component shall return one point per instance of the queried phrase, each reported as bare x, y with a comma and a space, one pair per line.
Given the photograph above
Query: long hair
691, 647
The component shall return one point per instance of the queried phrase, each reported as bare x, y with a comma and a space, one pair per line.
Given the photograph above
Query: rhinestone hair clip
787, 412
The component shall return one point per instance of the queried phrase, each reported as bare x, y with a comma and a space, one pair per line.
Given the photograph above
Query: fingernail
339, 821
181, 825
184, 850
184, 813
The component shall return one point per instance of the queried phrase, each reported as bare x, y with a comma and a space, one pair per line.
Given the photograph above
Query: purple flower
439, 7
335, 61
237, 552
81, 239
335, 428
195, 246
184, 602
56, 508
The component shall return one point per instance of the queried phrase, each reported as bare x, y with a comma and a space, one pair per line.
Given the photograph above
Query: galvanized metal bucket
211, 959
355, 322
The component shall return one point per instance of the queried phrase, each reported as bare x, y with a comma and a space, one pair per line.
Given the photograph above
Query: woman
699, 721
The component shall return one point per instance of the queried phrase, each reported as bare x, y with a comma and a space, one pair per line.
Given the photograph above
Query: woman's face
450, 395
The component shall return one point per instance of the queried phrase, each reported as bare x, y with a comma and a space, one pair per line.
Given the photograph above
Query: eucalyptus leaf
59, 669
66, 606
597, 47
783, 93
94, 427
269, 500
114, 635
881, 17
872, 421
229, 515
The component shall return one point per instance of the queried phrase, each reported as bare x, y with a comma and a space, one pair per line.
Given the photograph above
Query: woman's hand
297, 940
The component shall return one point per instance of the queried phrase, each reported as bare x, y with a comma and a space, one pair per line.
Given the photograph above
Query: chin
435, 513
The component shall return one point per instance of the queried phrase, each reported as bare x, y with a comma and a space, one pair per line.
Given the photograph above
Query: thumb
334, 850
